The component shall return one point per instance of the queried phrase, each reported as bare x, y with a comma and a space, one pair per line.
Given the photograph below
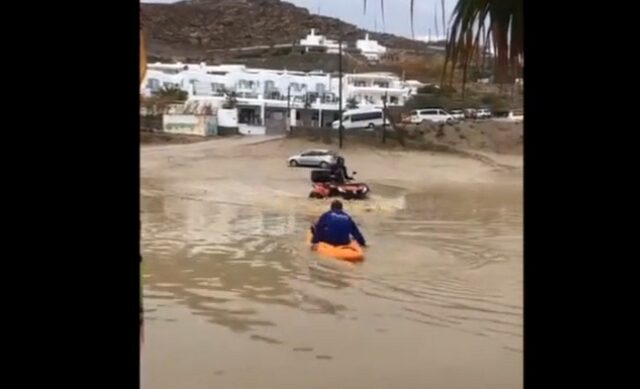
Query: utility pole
340, 90
289, 107
384, 118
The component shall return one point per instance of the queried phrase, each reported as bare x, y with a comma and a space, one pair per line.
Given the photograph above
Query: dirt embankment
491, 136
159, 138
503, 138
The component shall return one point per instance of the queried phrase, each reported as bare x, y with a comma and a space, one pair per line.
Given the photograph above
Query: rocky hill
196, 29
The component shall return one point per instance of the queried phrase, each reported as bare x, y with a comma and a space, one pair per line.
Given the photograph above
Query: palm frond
473, 23
435, 18
413, 35
444, 23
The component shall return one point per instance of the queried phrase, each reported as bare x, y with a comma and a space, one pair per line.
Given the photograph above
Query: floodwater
234, 299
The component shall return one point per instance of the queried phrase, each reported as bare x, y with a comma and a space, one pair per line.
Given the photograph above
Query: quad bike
324, 185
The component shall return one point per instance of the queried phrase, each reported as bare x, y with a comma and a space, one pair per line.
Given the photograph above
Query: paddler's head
336, 205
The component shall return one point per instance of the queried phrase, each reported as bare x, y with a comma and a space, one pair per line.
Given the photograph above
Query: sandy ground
192, 165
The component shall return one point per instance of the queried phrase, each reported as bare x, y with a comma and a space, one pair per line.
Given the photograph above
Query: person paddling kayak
335, 227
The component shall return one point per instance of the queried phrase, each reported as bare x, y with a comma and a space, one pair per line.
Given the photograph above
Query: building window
269, 86
217, 88
275, 95
153, 84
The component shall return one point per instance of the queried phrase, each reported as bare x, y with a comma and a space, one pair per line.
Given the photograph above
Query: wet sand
234, 299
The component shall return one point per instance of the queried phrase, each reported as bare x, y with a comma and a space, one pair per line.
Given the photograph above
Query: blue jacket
336, 228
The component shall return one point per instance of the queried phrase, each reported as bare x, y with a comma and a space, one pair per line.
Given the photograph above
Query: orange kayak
351, 252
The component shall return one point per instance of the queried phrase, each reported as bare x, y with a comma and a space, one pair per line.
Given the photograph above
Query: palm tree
476, 24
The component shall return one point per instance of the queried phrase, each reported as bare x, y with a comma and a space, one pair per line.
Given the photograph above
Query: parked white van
433, 114
361, 118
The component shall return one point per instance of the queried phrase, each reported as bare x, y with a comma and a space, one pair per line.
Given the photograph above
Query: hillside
198, 29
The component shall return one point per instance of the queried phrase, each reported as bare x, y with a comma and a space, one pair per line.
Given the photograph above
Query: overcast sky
396, 14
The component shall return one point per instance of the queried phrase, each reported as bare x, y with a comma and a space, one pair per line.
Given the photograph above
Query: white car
458, 114
514, 116
313, 158
437, 115
483, 113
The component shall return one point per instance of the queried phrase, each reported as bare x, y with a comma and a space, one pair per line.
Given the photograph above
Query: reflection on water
451, 259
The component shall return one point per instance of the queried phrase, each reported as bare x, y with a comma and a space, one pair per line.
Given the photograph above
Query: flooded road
234, 299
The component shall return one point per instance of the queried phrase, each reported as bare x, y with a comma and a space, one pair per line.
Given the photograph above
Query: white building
414, 85
319, 42
370, 89
263, 96
371, 49
432, 39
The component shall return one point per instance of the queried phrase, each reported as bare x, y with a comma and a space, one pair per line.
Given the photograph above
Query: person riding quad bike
333, 182
339, 172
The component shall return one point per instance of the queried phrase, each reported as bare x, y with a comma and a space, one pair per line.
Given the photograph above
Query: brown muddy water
234, 299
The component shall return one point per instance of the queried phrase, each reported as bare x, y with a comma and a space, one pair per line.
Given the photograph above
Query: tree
429, 88
171, 94
476, 24
306, 113
162, 99
231, 99
352, 103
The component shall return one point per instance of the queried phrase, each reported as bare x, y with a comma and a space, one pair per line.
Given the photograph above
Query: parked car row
439, 115
370, 118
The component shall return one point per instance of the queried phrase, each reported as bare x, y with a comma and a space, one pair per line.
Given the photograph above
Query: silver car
313, 158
